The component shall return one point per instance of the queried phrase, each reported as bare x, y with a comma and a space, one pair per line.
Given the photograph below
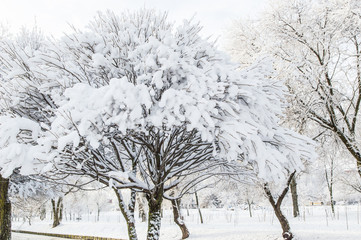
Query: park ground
314, 222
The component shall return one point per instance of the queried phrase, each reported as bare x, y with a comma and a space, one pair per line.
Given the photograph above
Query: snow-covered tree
137, 103
164, 103
317, 50
18, 150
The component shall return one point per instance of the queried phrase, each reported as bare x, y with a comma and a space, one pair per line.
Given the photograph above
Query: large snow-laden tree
155, 103
138, 104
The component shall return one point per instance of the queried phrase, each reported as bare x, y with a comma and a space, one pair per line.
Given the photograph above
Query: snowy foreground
219, 224
20, 236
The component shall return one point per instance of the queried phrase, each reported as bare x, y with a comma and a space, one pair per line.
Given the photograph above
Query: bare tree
316, 47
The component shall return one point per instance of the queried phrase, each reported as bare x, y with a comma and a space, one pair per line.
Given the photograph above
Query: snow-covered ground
222, 224
21, 236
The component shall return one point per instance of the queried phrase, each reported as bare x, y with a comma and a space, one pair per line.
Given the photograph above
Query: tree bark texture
5, 210
178, 218
57, 206
293, 185
287, 234
128, 212
154, 214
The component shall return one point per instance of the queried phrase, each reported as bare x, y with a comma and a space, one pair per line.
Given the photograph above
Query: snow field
315, 222
20, 236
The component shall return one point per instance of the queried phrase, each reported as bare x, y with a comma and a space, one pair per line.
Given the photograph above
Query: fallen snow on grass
21, 236
220, 224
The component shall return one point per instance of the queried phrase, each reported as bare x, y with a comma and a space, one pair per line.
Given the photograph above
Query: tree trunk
154, 214
332, 203
249, 207
178, 218
330, 180
61, 207
199, 209
287, 234
5, 210
142, 213
57, 206
128, 212
42, 213
98, 214
293, 185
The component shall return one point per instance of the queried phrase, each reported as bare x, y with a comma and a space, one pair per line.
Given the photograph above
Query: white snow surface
21, 236
220, 224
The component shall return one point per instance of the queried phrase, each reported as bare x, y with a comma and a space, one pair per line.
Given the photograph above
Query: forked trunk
57, 206
287, 234
178, 218
5, 210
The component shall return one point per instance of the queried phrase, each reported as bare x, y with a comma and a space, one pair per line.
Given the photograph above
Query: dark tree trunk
154, 214
128, 212
61, 210
178, 219
198, 207
293, 185
332, 203
5, 210
287, 234
57, 206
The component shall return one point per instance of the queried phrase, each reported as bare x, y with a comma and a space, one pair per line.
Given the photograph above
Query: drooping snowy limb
18, 146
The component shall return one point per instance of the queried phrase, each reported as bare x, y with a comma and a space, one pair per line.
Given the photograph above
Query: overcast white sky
53, 16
